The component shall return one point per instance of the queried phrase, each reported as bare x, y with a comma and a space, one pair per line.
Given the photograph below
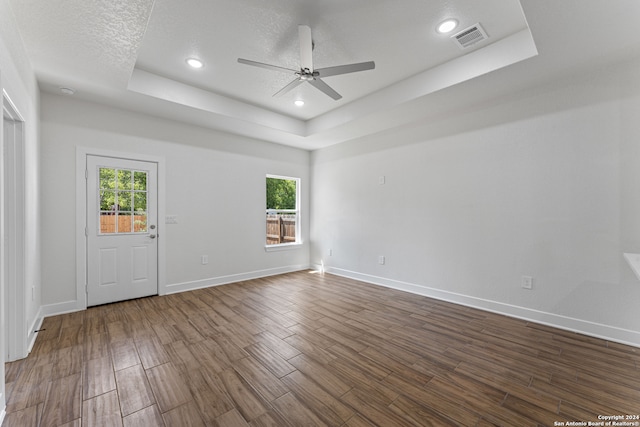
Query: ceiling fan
307, 73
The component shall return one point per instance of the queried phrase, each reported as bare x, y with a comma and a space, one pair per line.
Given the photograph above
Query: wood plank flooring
307, 349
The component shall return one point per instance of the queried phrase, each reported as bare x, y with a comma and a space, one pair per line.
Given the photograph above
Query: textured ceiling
401, 40
76, 41
131, 53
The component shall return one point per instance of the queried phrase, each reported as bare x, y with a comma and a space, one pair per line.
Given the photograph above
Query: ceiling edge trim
507, 51
156, 86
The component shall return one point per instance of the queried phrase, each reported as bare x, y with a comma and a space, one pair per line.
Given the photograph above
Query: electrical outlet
527, 282
381, 179
205, 259
381, 260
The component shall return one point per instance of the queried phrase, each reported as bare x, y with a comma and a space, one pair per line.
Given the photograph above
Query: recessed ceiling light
67, 91
447, 26
299, 102
195, 63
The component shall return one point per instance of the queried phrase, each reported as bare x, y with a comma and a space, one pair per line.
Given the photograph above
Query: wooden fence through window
108, 223
281, 229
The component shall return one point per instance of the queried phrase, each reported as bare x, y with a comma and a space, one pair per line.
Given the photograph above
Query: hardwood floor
306, 349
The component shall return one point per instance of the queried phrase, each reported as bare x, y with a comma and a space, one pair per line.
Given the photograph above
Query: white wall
541, 183
544, 183
215, 184
17, 79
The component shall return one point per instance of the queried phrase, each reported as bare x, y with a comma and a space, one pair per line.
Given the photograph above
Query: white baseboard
597, 330
71, 306
60, 308
232, 278
35, 325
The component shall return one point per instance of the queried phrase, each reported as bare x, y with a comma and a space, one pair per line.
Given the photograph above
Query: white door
122, 214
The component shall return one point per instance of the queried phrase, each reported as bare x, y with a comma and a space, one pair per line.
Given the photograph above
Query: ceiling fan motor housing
306, 74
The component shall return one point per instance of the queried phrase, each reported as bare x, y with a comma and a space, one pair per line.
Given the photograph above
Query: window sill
282, 247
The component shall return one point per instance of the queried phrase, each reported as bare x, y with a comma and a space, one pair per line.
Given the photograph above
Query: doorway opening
13, 231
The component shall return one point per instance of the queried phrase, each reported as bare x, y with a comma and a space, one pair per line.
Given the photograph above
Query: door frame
14, 293
81, 218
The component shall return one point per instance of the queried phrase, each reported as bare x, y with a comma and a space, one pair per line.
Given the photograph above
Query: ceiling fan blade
267, 66
287, 88
345, 69
306, 47
323, 87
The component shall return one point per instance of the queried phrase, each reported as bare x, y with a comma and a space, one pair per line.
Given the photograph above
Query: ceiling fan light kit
307, 73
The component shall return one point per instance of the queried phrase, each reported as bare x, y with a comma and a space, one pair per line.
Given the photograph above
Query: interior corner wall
542, 183
215, 186
19, 83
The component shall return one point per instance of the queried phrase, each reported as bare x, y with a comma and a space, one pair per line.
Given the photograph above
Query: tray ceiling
131, 54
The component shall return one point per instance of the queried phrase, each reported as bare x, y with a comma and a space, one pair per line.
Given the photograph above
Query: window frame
296, 211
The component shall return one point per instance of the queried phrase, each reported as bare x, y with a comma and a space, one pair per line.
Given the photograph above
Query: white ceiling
401, 40
131, 54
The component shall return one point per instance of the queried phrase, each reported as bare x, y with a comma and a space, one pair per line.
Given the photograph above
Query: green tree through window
281, 193
282, 210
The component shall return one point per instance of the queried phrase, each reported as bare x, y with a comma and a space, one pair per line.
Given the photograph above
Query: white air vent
470, 36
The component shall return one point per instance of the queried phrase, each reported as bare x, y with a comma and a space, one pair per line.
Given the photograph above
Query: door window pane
123, 201
140, 201
124, 179
140, 222
107, 179
140, 181
124, 222
107, 223
107, 200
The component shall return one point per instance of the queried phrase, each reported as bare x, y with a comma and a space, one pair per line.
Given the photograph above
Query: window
283, 212
123, 201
